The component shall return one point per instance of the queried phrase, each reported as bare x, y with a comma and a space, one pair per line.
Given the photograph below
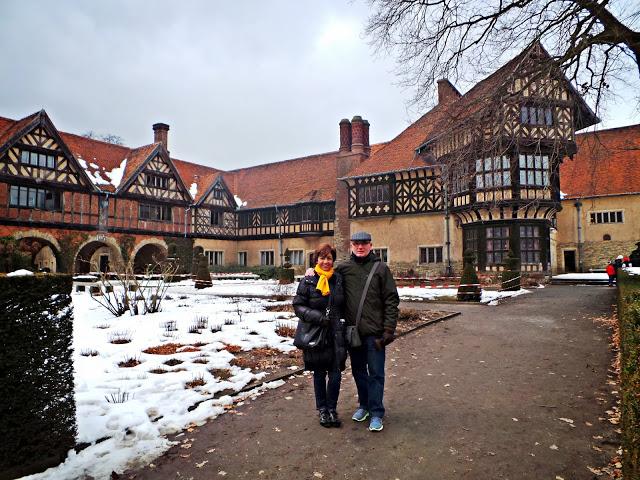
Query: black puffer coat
311, 306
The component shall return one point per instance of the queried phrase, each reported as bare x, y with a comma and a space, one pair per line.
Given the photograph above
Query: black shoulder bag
353, 336
309, 335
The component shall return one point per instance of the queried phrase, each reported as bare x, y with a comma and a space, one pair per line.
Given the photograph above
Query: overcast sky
239, 83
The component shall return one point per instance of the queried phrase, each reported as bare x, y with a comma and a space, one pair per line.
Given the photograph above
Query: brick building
480, 171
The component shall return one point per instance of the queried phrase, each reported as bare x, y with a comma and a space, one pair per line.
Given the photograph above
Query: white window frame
298, 253
376, 250
214, 257
263, 254
246, 258
427, 247
602, 213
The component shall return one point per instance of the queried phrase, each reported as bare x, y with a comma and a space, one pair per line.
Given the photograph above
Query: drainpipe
449, 269
578, 206
186, 212
279, 224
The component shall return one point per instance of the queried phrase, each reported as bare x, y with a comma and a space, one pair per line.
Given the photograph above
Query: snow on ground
582, 276
257, 288
156, 404
20, 273
490, 297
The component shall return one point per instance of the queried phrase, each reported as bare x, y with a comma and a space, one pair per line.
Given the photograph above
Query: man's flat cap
361, 237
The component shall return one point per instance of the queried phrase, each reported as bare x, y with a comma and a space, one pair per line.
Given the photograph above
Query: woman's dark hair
324, 249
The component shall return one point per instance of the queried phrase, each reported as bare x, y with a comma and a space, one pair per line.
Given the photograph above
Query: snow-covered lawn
490, 297
128, 400
156, 404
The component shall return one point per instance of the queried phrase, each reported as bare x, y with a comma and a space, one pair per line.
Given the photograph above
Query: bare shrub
193, 328
89, 352
119, 338
285, 330
215, 328
159, 371
221, 373
173, 362
196, 382
129, 362
201, 321
118, 397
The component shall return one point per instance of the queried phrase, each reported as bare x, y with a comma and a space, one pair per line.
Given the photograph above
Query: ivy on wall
69, 245
182, 250
126, 243
13, 255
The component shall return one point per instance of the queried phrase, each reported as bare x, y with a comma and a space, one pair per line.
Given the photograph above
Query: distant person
319, 301
618, 262
611, 271
626, 261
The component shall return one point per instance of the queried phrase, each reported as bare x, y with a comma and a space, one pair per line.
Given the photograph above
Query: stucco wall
403, 236
596, 251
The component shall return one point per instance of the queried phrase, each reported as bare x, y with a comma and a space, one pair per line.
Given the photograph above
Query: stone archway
43, 247
147, 254
98, 255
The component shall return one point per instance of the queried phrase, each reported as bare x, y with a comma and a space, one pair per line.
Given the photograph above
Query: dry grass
221, 373
196, 382
233, 348
287, 307
89, 352
129, 362
159, 370
173, 362
286, 331
166, 349
120, 338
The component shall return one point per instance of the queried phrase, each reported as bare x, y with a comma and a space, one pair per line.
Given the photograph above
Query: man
376, 327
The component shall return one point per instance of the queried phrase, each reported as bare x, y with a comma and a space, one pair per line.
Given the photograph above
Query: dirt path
479, 396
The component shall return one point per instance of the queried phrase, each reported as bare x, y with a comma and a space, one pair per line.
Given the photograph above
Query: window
497, 244
373, 194
217, 218
459, 178
267, 217
244, 219
607, 217
155, 212
266, 257
606, 237
40, 198
38, 159
217, 194
296, 257
328, 212
157, 181
242, 259
471, 240
214, 257
382, 253
536, 115
430, 254
310, 213
295, 214
534, 170
493, 172
530, 243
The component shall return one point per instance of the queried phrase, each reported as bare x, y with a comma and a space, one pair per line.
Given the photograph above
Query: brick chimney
357, 134
447, 93
365, 137
345, 135
161, 134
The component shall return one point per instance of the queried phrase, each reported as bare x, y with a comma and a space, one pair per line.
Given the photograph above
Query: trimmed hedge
629, 320
37, 411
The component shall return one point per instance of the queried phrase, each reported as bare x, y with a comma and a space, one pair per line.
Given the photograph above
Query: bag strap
364, 292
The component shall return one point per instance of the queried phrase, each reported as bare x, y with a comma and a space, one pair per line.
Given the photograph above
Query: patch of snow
562, 195
82, 163
93, 165
490, 297
582, 276
193, 189
115, 175
20, 273
157, 403
239, 201
632, 270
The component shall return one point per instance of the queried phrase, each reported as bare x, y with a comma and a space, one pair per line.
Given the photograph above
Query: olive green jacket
380, 309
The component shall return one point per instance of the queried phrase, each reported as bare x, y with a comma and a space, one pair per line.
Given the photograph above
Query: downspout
578, 206
449, 270
279, 224
186, 211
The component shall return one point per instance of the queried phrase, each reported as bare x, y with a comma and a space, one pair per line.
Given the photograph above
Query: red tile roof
201, 175
607, 163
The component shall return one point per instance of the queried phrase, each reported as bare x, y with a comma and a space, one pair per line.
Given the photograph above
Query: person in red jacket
611, 271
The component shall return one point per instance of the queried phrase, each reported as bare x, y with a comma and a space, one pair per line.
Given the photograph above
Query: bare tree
107, 137
595, 42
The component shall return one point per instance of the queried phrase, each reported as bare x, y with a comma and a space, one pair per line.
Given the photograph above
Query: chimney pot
357, 134
161, 134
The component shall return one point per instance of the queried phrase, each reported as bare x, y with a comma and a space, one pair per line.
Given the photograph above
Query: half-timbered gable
31, 150
215, 211
155, 177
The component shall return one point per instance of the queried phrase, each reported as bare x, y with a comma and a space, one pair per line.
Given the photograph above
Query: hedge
37, 413
629, 320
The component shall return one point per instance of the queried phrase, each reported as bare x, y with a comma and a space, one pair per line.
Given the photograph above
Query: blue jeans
326, 391
367, 366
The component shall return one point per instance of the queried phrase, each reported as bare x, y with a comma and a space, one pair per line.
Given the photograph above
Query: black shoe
335, 421
325, 419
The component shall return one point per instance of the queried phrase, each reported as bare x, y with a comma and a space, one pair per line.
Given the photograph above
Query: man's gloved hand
387, 337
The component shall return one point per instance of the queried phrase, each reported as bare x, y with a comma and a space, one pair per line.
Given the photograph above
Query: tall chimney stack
357, 134
161, 134
345, 135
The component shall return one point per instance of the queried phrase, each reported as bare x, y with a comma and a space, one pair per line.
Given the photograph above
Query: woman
317, 295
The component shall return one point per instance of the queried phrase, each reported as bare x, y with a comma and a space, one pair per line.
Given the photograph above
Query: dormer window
157, 181
373, 194
36, 159
217, 194
536, 115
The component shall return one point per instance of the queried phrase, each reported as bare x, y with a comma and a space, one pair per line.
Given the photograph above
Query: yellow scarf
323, 282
